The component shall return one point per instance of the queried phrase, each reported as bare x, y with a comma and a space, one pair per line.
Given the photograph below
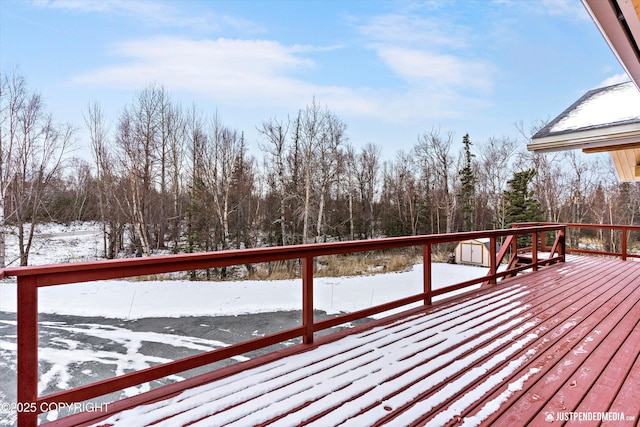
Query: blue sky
391, 70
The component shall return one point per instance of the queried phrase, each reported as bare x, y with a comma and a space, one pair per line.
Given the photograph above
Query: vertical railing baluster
534, 250
493, 250
27, 316
426, 273
307, 299
624, 243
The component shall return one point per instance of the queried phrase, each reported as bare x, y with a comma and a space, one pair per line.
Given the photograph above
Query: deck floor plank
564, 383
616, 386
627, 397
564, 338
560, 359
551, 330
543, 301
596, 359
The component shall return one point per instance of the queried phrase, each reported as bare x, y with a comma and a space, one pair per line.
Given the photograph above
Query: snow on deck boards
563, 339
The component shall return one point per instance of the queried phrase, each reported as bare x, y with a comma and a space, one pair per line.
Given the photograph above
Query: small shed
474, 252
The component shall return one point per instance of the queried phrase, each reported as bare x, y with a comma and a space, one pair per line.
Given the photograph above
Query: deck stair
522, 258
525, 259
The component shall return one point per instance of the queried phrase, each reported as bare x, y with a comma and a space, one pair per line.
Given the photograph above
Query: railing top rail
56, 274
581, 225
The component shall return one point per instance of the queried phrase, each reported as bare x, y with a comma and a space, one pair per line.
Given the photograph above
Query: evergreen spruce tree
521, 203
467, 187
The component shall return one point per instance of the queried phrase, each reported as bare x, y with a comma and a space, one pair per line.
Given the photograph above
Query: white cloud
434, 55
265, 73
439, 71
407, 30
235, 70
426, 54
436, 61
154, 14
615, 79
569, 8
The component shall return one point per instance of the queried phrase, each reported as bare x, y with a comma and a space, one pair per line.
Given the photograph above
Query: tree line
164, 178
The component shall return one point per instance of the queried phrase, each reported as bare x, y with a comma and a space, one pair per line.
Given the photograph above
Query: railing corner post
307, 299
27, 357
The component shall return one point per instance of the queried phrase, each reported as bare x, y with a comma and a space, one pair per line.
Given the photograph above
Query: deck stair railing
522, 258
31, 279
519, 258
620, 240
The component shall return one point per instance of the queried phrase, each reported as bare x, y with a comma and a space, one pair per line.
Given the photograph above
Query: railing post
426, 279
624, 243
27, 393
534, 250
563, 242
493, 260
307, 299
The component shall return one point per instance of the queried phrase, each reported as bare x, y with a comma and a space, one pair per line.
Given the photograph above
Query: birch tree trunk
13, 97
276, 134
32, 148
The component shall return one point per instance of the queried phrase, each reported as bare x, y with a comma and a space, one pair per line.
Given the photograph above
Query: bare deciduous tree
32, 150
276, 134
366, 167
107, 181
436, 149
494, 158
332, 137
13, 96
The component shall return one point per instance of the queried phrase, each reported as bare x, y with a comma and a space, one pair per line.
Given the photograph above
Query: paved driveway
80, 350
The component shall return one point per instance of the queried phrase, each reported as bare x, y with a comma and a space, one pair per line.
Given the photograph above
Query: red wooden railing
31, 278
624, 231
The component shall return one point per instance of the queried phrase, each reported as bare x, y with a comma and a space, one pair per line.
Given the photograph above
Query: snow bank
177, 298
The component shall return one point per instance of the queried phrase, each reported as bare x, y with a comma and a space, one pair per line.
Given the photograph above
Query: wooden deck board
563, 339
550, 303
554, 390
613, 387
627, 397
549, 297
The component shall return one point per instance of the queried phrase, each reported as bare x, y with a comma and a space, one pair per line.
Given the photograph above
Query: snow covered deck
558, 343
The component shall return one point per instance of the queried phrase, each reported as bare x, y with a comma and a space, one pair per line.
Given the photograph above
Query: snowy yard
177, 298
124, 299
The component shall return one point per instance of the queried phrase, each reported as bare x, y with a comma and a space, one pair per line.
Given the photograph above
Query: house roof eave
590, 138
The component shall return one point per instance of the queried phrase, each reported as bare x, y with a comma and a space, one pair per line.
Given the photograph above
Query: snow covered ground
177, 298
71, 348
57, 243
126, 299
